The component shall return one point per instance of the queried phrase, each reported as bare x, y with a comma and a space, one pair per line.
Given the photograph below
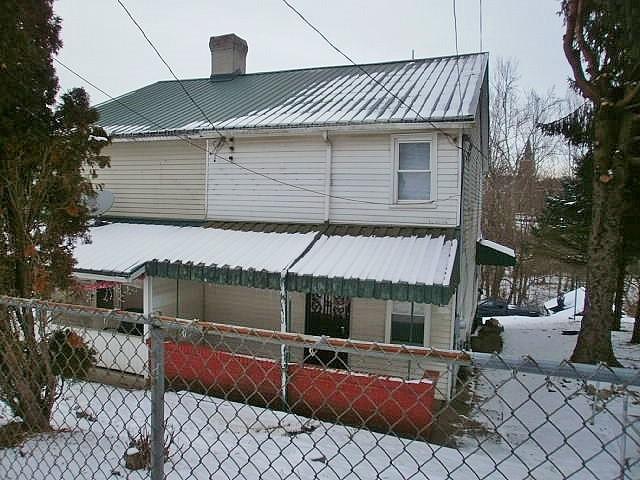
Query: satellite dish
100, 203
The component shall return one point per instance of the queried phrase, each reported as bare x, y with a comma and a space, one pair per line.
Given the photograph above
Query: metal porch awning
417, 268
127, 250
492, 253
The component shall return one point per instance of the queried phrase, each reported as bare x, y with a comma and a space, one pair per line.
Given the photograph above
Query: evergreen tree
603, 49
562, 231
47, 155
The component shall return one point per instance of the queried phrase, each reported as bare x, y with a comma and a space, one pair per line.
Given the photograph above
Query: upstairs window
414, 170
407, 323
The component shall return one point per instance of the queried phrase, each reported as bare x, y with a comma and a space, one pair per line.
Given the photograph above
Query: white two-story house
354, 191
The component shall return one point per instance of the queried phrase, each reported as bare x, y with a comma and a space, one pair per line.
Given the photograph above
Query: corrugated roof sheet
343, 95
412, 260
340, 229
122, 248
492, 253
415, 268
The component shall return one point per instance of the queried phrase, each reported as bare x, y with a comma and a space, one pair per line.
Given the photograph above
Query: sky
101, 43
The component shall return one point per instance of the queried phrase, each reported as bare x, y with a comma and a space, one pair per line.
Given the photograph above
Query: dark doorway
104, 298
330, 316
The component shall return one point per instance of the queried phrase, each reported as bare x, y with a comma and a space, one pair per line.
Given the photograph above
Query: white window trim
427, 324
414, 138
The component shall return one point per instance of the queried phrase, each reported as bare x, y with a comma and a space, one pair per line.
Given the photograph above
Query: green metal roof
336, 229
436, 89
491, 253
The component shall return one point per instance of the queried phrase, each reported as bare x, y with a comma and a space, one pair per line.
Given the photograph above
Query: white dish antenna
100, 203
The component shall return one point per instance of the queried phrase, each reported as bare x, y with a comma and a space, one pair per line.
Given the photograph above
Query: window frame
431, 139
426, 342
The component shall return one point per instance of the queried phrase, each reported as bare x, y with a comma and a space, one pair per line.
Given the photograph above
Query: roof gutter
293, 130
103, 275
327, 175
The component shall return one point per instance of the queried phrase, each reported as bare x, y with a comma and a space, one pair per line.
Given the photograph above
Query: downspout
327, 174
461, 246
285, 316
206, 180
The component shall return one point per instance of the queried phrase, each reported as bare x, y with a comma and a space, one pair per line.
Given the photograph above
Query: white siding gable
363, 169
237, 194
361, 183
161, 179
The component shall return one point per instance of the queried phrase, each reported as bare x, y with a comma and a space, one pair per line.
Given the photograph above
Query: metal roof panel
421, 90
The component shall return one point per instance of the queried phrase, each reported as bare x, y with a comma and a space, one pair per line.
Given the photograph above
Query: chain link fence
147, 396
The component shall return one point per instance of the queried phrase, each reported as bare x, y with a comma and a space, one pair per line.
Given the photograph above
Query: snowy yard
534, 429
567, 427
220, 439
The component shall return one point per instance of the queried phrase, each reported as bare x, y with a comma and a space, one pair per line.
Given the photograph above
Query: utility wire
222, 137
480, 19
146, 37
384, 87
217, 155
455, 30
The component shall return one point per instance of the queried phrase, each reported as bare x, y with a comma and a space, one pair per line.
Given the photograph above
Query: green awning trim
347, 287
223, 275
486, 255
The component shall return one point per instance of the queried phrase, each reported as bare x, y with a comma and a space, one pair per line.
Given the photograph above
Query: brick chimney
228, 55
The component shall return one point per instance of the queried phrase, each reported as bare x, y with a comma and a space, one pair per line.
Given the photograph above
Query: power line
146, 37
455, 30
217, 155
480, 19
384, 87
222, 137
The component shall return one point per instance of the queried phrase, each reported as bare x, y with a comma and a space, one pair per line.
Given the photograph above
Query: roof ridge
328, 67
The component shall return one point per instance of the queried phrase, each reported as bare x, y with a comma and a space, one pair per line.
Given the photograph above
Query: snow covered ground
535, 428
559, 427
221, 439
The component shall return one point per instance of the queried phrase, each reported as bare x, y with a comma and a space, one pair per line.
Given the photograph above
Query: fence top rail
81, 310
311, 341
185, 327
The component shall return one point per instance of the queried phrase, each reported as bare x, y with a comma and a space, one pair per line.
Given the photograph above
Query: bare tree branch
573, 54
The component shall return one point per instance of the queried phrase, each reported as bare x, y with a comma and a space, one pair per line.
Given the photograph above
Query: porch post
147, 310
284, 327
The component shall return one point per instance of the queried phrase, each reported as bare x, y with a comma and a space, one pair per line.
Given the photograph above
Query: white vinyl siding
237, 194
475, 165
155, 179
167, 180
363, 170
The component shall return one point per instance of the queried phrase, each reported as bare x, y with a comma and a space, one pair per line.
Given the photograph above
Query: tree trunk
559, 289
612, 129
619, 300
498, 273
635, 336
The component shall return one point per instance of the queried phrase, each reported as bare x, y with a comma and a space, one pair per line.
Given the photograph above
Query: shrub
71, 356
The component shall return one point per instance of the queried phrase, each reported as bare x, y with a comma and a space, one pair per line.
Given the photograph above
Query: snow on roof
122, 248
415, 260
500, 248
435, 89
574, 297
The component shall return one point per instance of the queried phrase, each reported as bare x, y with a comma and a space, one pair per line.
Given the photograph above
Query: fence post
156, 360
623, 438
284, 327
